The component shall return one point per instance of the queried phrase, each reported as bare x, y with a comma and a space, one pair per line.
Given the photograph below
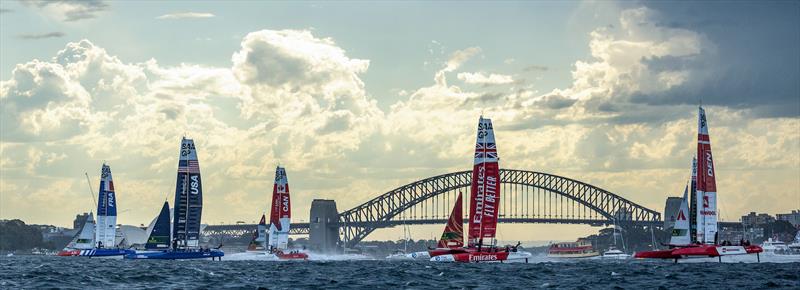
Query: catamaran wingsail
98, 239
280, 219
185, 233
484, 205
706, 240
452, 240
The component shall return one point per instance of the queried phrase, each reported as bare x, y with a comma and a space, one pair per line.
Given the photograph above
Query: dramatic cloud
185, 15
41, 36
70, 10
298, 99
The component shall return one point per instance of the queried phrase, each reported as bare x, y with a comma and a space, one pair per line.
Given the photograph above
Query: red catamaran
705, 240
280, 220
484, 208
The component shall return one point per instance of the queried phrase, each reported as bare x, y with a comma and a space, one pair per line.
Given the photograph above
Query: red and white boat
704, 242
483, 210
280, 219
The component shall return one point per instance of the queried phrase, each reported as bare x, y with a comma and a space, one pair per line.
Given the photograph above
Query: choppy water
45, 272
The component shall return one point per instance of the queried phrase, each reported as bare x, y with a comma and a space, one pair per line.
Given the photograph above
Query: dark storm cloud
754, 64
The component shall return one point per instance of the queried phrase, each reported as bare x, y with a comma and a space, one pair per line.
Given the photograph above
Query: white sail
106, 230
680, 231
84, 240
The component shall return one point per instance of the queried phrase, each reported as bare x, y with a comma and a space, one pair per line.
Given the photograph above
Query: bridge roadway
303, 228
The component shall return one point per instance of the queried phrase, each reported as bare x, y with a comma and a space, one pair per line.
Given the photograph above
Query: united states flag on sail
189, 166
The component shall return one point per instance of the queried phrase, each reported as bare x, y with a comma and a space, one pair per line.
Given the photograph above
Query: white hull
419, 255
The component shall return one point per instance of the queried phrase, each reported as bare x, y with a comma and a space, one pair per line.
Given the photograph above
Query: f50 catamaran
704, 240
99, 239
280, 220
185, 233
484, 206
257, 245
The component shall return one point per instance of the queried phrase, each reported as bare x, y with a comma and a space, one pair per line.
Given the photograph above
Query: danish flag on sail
706, 184
485, 191
453, 235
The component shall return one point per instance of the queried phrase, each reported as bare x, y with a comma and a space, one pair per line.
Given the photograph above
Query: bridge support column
323, 234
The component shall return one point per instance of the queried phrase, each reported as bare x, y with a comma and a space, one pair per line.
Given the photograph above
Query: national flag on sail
189, 166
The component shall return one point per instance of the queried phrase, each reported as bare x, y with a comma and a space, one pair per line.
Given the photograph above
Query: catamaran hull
95, 253
449, 251
176, 255
485, 257
699, 251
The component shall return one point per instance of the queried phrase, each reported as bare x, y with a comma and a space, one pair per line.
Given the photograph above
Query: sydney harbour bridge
526, 197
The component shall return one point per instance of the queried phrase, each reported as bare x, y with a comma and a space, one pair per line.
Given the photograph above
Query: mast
694, 210
106, 232
706, 184
188, 198
485, 194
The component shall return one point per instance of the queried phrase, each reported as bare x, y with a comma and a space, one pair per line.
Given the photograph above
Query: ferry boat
772, 246
97, 239
483, 210
184, 234
614, 254
699, 237
582, 248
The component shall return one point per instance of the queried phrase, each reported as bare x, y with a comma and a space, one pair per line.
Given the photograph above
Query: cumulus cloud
480, 78
297, 99
186, 15
70, 10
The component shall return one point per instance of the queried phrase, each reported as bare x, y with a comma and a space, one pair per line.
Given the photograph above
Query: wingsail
281, 212
706, 184
188, 198
260, 236
106, 231
485, 190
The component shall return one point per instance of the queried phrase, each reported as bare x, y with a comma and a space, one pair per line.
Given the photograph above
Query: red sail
485, 191
453, 235
706, 184
281, 203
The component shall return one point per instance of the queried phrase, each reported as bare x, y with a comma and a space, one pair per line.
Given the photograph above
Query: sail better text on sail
485, 189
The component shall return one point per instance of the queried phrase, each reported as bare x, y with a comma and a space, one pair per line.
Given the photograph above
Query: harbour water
59, 272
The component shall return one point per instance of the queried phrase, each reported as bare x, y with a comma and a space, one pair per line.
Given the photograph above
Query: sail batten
485, 190
706, 184
188, 198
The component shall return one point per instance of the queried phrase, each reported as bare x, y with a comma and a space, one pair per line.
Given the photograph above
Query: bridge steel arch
358, 222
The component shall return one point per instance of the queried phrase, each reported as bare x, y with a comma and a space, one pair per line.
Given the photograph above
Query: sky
357, 98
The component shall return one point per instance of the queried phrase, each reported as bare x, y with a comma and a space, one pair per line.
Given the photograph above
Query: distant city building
754, 219
671, 208
80, 219
793, 217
